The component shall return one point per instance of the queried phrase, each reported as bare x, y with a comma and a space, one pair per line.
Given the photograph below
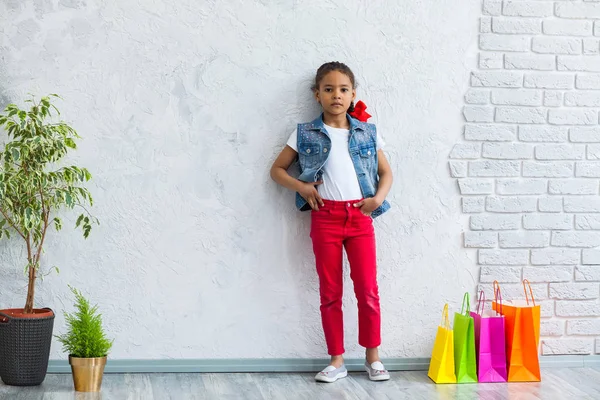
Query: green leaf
70, 143
28, 213
57, 224
69, 199
79, 220
15, 154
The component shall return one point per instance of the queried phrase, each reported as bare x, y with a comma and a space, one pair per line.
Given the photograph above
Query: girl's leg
360, 247
328, 248
372, 354
361, 250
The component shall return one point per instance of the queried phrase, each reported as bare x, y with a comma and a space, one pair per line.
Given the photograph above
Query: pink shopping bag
489, 340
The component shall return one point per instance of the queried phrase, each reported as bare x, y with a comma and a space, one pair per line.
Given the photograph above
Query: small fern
85, 336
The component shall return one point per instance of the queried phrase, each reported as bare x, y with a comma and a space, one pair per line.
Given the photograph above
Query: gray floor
557, 383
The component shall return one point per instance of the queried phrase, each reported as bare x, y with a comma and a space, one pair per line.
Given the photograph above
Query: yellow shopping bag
441, 366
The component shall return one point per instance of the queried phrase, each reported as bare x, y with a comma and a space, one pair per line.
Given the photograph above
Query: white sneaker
377, 371
331, 374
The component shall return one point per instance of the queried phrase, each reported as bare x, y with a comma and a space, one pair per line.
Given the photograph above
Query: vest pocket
368, 160
309, 154
367, 151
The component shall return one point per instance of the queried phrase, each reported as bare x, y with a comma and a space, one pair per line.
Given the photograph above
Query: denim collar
318, 125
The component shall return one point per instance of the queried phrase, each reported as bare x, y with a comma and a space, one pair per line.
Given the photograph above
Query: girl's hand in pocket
367, 206
309, 192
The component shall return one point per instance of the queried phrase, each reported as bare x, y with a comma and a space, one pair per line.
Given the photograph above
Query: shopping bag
489, 341
522, 333
465, 363
441, 366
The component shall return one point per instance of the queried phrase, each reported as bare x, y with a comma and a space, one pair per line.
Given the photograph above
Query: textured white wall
183, 105
532, 183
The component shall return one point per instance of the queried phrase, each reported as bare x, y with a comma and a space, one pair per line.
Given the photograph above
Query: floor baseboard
289, 364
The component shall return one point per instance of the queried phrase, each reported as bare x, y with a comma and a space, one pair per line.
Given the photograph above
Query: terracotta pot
18, 313
87, 373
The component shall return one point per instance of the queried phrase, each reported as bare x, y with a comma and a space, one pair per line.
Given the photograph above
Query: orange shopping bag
522, 328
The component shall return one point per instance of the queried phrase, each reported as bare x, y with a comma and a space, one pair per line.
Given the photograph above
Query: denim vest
313, 149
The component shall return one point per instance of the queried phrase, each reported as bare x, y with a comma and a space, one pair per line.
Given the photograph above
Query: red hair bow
360, 112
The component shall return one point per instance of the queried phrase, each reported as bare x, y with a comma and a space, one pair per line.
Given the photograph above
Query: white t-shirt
340, 182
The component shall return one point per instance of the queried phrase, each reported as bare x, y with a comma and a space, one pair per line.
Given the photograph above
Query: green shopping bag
465, 363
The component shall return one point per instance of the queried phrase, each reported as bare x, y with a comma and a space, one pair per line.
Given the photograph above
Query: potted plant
86, 344
33, 188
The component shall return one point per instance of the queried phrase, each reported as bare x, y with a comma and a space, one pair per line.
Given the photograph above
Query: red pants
335, 226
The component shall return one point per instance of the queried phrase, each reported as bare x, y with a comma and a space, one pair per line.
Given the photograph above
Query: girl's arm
385, 177
367, 206
280, 175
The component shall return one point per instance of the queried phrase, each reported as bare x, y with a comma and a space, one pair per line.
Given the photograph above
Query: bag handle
466, 299
526, 282
480, 302
445, 320
497, 297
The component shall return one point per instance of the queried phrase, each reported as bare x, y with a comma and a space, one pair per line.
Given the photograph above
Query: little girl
344, 179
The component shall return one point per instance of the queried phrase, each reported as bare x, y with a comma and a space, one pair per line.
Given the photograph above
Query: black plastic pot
25, 346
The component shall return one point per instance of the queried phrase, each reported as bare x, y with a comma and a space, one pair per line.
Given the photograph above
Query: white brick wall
529, 165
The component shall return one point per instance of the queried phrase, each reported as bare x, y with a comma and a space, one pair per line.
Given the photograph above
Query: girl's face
335, 93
